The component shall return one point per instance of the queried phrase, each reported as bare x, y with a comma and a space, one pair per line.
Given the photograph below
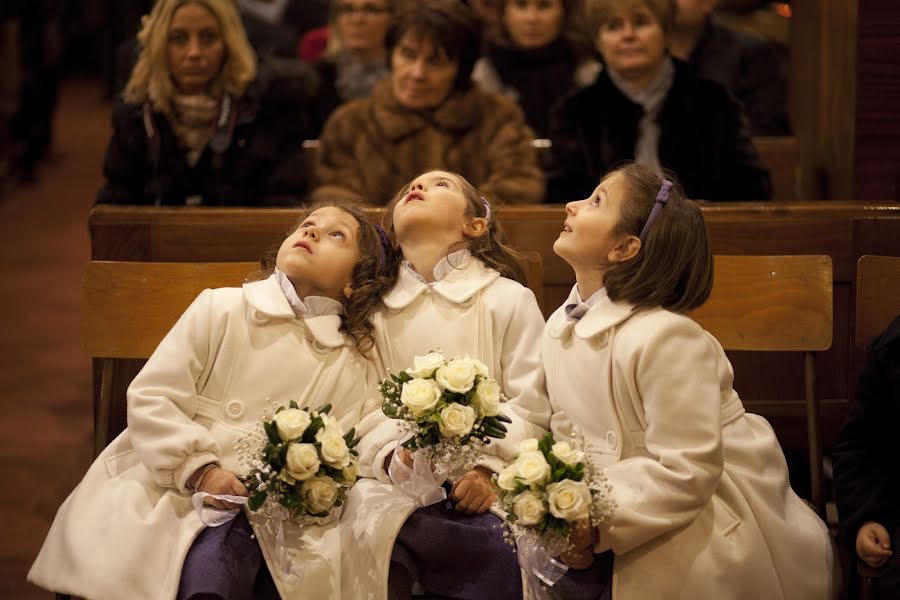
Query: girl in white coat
459, 290
705, 509
129, 529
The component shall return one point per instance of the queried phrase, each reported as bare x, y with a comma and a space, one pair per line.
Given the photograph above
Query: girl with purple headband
704, 506
459, 290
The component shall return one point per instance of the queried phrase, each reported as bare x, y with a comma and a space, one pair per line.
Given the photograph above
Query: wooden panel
775, 303
779, 154
128, 307
877, 296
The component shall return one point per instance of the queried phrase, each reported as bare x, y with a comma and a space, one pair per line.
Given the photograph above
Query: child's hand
219, 482
474, 492
873, 544
582, 538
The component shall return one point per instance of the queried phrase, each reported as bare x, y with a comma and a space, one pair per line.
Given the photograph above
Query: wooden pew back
877, 296
777, 303
128, 307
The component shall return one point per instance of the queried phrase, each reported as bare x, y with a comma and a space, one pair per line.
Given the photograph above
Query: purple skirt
226, 562
457, 556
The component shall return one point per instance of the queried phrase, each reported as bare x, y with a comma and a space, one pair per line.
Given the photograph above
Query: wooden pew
829, 228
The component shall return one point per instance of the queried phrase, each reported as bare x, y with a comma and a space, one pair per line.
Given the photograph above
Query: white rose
569, 500
566, 454
506, 480
302, 461
487, 398
529, 445
419, 395
334, 450
458, 375
425, 366
479, 367
320, 493
291, 423
456, 420
330, 425
351, 471
532, 467
529, 508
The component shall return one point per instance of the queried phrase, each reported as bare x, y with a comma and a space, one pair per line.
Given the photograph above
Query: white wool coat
233, 356
705, 508
471, 310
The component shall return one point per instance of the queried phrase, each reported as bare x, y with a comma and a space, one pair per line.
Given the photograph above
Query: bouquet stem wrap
418, 482
539, 564
215, 517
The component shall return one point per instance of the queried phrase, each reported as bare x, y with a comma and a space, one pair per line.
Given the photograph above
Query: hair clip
383, 246
487, 208
662, 197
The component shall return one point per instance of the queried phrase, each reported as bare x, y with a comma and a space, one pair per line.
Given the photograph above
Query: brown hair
571, 28
598, 12
373, 275
450, 25
491, 247
151, 79
674, 267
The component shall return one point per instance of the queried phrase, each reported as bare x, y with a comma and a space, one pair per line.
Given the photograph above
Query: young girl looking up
705, 509
459, 290
129, 528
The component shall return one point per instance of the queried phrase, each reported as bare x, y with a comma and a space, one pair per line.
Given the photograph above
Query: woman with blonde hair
203, 122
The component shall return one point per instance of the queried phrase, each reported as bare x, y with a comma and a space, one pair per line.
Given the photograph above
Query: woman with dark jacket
201, 123
648, 107
866, 470
535, 56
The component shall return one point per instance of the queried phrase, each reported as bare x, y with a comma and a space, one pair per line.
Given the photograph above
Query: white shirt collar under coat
459, 277
602, 316
322, 316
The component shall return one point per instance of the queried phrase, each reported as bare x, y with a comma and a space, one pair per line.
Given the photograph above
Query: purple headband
383, 247
661, 198
487, 208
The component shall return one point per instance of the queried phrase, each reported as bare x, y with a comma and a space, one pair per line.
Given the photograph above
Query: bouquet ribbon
537, 562
419, 482
214, 517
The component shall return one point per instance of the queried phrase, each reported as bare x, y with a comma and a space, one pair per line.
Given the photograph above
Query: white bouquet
303, 467
451, 407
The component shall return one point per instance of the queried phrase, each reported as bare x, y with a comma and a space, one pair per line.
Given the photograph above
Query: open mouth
413, 196
567, 228
303, 245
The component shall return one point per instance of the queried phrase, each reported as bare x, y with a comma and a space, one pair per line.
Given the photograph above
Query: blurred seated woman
200, 123
535, 57
356, 55
428, 115
648, 107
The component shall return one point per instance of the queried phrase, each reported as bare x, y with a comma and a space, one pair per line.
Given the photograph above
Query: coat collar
458, 113
601, 317
268, 298
458, 286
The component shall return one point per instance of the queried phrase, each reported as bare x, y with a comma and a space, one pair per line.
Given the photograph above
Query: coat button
260, 317
234, 409
612, 439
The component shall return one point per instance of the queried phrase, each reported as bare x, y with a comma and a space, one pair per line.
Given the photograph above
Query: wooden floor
45, 385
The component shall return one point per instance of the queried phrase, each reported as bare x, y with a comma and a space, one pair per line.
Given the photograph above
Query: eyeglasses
368, 9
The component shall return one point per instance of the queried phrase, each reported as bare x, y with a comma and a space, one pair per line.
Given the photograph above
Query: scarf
651, 99
356, 77
193, 120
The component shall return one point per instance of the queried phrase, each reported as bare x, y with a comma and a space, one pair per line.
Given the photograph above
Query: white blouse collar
311, 306
461, 278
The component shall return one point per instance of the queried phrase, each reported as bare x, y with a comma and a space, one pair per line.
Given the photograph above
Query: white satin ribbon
212, 516
419, 482
537, 562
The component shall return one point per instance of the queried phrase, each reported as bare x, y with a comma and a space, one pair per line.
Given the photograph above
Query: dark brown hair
572, 29
373, 275
674, 267
598, 12
491, 247
450, 25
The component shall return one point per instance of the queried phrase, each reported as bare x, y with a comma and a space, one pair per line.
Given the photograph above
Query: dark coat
749, 67
704, 138
866, 465
263, 164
